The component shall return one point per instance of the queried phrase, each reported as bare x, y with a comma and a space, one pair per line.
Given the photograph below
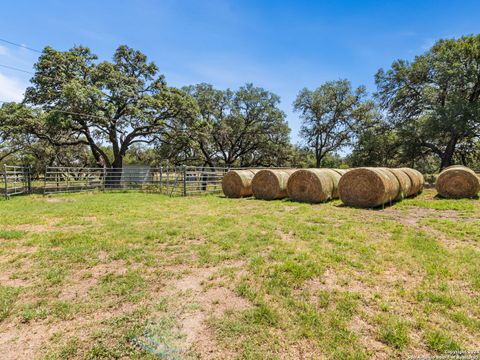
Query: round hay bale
341, 172
313, 185
271, 184
404, 182
417, 179
368, 187
238, 183
457, 182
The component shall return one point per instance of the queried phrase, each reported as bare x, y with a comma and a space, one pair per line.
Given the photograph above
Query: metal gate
17, 180
171, 180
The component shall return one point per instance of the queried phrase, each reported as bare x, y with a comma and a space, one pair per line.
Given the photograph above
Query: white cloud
11, 89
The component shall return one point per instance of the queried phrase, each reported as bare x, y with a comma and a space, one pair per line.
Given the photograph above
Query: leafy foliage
243, 127
330, 115
434, 101
121, 103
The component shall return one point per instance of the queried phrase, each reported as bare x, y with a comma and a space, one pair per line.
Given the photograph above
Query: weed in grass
11, 234
55, 276
8, 296
440, 341
124, 287
262, 314
394, 332
67, 350
34, 311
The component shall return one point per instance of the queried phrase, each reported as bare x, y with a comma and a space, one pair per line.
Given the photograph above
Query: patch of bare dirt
25, 340
35, 228
286, 237
21, 249
7, 280
414, 215
19, 340
367, 338
204, 299
56, 200
304, 350
83, 280
10, 275
92, 219
386, 284
42, 228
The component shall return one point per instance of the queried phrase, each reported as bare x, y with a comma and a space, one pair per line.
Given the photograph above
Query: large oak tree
330, 116
115, 104
434, 101
234, 128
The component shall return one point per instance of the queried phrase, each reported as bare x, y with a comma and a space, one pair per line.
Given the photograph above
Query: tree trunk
318, 158
447, 155
114, 174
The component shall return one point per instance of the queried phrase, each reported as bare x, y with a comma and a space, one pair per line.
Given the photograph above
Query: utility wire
16, 69
20, 45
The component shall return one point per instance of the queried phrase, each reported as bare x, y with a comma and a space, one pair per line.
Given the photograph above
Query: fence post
168, 176
5, 180
161, 174
45, 180
104, 178
29, 179
184, 180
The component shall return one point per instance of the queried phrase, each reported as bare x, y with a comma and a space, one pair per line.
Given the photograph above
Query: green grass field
146, 276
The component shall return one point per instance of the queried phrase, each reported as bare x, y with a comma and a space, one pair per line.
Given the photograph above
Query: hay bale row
362, 187
373, 187
314, 185
238, 183
457, 182
417, 179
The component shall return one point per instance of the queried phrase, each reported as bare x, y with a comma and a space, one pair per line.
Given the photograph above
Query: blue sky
282, 46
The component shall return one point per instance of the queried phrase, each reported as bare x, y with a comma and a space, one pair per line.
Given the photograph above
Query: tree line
79, 111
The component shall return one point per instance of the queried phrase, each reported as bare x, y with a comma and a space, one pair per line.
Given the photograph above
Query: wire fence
171, 180
16, 180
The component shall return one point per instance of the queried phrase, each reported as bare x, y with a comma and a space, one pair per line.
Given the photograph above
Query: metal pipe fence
171, 180
16, 180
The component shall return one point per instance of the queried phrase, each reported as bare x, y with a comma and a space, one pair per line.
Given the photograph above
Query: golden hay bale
238, 183
271, 184
457, 182
404, 182
417, 179
368, 187
313, 185
341, 172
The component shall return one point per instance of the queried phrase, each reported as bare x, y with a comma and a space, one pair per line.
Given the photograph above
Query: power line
20, 45
16, 69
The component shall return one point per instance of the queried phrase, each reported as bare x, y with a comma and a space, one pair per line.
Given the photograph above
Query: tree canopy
434, 101
120, 103
330, 115
243, 127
